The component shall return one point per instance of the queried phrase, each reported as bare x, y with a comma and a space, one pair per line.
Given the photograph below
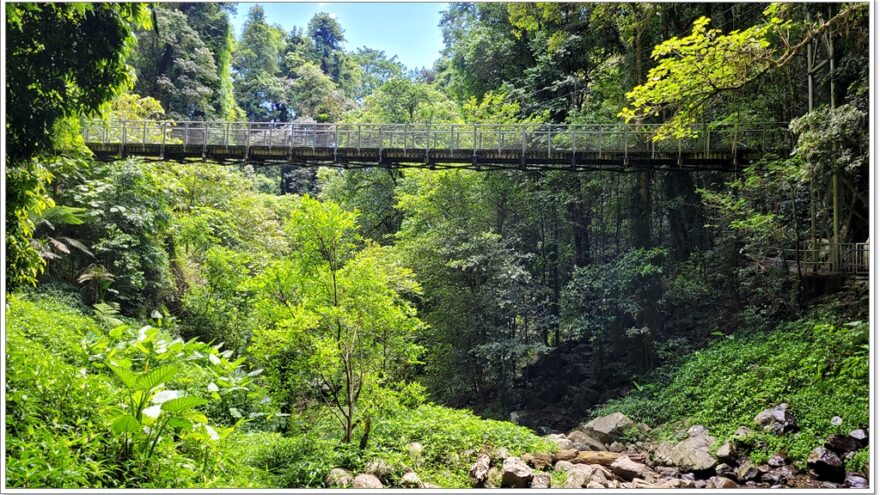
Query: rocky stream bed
615, 452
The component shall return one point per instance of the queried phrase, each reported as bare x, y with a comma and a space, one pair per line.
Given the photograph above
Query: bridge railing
851, 257
531, 138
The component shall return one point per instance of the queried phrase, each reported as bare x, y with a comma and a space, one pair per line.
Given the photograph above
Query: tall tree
63, 61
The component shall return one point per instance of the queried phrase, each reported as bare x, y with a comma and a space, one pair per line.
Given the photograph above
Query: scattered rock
541, 480
780, 475
410, 480
563, 466
668, 472
842, 444
837, 421
726, 453
854, 480
414, 450
724, 470
562, 442
538, 461
584, 441
494, 478
747, 471
742, 437
594, 484
662, 454
609, 428
617, 447
700, 484
366, 481
673, 483
545, 430
518, 417
578, 476
695, 452
629, 470
826, 464
860, 435
777, 419
500, 454
777, 460
480, 470
515, 473
378, 468
339, 478
719, 482
565, 455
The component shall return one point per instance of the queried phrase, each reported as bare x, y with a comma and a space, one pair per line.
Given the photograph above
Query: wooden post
269, 140
573, 144
205, 143
427, 141
359, 139
185, 136
144, 142
522, 156
164, 132
226, 137
336, 143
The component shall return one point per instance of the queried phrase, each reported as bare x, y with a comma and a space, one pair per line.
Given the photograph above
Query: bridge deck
481, 146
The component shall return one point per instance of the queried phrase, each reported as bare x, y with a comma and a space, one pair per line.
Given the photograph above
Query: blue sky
408, 30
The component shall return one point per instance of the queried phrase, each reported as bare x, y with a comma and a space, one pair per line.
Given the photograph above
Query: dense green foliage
820, 369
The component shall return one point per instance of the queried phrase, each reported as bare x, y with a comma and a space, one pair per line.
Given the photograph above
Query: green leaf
182, 404
129, 379
125, 424
156, 377
181, 423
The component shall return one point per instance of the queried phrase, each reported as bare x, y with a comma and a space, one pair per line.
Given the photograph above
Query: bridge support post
164, 133
205, 141
122, 144
522, 155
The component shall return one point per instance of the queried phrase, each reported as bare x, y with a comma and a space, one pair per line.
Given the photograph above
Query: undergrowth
820, 369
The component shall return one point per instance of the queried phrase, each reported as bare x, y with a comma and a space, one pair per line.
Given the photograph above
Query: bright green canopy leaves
693, 71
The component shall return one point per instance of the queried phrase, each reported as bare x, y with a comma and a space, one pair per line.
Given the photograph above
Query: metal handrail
524, 138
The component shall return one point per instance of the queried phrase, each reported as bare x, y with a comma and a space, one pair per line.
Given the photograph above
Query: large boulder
480, 470
607, 429
695, 452
585, 441
628, 469
777, 419
826, 465
515, 473
366, 481
339, 478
